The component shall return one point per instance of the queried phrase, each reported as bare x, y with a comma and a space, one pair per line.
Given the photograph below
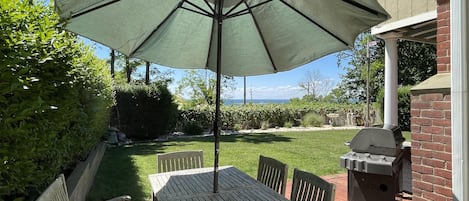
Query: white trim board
459, 99
383, 28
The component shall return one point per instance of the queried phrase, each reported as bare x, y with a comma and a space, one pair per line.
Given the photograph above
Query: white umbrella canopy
258, 37
231, 37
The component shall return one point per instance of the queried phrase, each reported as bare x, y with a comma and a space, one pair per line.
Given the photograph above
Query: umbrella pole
216, 124
217, 132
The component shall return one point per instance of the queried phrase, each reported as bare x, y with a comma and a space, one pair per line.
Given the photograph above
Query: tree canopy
417, 62
315, 85
126, 71
200, 85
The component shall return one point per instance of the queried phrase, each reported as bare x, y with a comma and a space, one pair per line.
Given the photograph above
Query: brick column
431, 122
443, 37
431, 146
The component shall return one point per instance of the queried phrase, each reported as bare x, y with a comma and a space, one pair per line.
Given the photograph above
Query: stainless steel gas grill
378, 164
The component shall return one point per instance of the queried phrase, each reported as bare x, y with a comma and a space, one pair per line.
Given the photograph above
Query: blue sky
283, 85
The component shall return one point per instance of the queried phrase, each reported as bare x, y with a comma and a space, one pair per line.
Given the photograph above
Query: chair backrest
57, 191
180, 160
309, 187
272, 173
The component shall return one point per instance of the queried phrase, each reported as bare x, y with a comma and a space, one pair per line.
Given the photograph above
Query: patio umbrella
231, 37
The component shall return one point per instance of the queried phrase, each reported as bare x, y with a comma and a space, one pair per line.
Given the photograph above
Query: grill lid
381, 141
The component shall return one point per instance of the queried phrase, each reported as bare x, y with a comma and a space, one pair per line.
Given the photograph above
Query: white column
390, 78
459, 98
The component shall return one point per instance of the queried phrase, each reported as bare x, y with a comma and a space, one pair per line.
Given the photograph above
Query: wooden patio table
197, 184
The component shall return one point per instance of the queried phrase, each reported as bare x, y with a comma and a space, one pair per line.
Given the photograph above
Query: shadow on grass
258, 138
118, 174
263, 138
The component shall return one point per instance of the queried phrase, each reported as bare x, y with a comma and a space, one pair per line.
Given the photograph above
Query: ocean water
254, 101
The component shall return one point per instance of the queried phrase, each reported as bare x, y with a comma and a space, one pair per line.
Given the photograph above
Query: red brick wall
431, 127
431, 147
443, 37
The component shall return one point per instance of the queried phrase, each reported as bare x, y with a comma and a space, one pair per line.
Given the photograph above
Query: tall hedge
145, 112
55, 97
403, 107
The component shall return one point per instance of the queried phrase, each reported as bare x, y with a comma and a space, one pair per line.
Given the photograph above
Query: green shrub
237, 127
204, 116
312, 119
192, 128
288, 124
55, 97
145, 111
403, 107
265, 125
252, 116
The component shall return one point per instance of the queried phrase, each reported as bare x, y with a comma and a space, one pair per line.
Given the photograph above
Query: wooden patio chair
309, 187
180, 160
273, 174
57, 191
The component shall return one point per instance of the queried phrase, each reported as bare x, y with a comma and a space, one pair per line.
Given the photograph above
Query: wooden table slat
197, 185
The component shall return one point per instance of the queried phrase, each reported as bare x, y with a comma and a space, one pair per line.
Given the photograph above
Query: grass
125, 170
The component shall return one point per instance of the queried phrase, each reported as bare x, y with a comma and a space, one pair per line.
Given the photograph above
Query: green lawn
125, 170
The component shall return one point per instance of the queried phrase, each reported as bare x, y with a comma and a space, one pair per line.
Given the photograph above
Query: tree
113, 62
202, 86
131, 65
147, 73
315, 85
417, 62
126, 68
336, 95
153, 75
353, 83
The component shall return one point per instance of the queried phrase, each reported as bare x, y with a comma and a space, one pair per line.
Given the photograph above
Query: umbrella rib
198, 7
198, 12
93, 9
157, 27
210, 43
238, 14
314, 22
211, 8
246, 11
360, 6
234, 7
262, 38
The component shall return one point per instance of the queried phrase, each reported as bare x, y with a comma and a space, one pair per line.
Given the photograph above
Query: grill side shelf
368, 163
